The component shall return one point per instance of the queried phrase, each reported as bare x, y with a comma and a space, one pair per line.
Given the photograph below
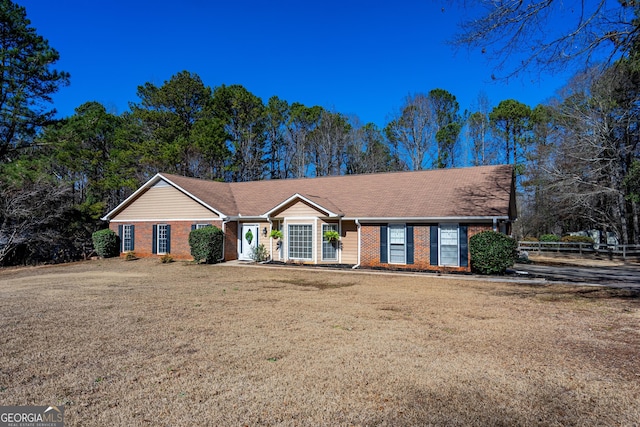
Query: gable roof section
474, 192
216, 195
318, 203
194, 191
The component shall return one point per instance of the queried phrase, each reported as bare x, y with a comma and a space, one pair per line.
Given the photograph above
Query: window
199, 226
163, 235
449, 245
397, 244
329, 249
300, 241
127, 238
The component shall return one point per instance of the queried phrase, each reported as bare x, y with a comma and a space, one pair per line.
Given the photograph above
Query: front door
248, 240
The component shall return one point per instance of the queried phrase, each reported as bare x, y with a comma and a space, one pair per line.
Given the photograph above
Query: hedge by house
105, 242
492, 252
206, 244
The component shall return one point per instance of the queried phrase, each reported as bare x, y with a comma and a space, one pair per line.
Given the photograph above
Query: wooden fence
611, 251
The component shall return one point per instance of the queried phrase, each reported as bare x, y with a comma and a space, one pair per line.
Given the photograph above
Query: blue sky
353, 57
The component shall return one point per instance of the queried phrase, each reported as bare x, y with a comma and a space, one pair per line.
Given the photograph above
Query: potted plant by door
331, 236
276, 234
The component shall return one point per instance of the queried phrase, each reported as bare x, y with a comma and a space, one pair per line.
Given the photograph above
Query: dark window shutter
154, 239
168, 239
120, 239
383, 244
433, 245
409, 244
464, 246
133, 237
193, 226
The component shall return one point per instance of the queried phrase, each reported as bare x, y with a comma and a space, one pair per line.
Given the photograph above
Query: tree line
575, 158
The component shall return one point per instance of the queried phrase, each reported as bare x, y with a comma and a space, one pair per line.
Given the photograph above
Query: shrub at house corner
105, 242
206, 244
492, 252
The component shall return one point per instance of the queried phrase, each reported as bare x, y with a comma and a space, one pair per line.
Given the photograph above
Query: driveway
625, 276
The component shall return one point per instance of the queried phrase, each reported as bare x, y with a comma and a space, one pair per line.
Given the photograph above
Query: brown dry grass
147, 344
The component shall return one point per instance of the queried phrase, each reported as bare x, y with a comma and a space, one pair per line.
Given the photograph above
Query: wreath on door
249, 236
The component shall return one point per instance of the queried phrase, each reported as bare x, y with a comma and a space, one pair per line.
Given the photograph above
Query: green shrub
259, 253
206, 244
549, 238
276, 234
492, 252
331, 235
577, 239
105, 242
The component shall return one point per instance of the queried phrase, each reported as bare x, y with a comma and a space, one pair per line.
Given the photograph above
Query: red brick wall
179, 238
370, 249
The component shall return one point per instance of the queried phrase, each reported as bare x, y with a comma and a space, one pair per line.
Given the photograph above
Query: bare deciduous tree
478, 130
328, 143
597, 141
549, 35
30, 215
414, 129
368, 152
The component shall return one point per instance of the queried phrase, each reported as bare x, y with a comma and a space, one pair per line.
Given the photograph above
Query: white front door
248, 240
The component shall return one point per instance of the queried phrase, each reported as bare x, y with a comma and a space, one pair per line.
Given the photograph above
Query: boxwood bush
576, 239
105, 242
492, 252
549, 238
206, 244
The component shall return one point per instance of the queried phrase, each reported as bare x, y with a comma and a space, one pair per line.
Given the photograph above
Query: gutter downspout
270, 240
359, 240
224, 237
339, 246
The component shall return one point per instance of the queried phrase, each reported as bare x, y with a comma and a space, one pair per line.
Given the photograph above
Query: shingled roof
483, 191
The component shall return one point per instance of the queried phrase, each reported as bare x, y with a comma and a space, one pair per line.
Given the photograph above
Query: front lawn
147, 344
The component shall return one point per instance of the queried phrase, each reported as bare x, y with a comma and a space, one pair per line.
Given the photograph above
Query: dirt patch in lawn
143, 343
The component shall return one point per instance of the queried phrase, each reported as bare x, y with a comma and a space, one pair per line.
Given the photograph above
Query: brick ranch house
418, 220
